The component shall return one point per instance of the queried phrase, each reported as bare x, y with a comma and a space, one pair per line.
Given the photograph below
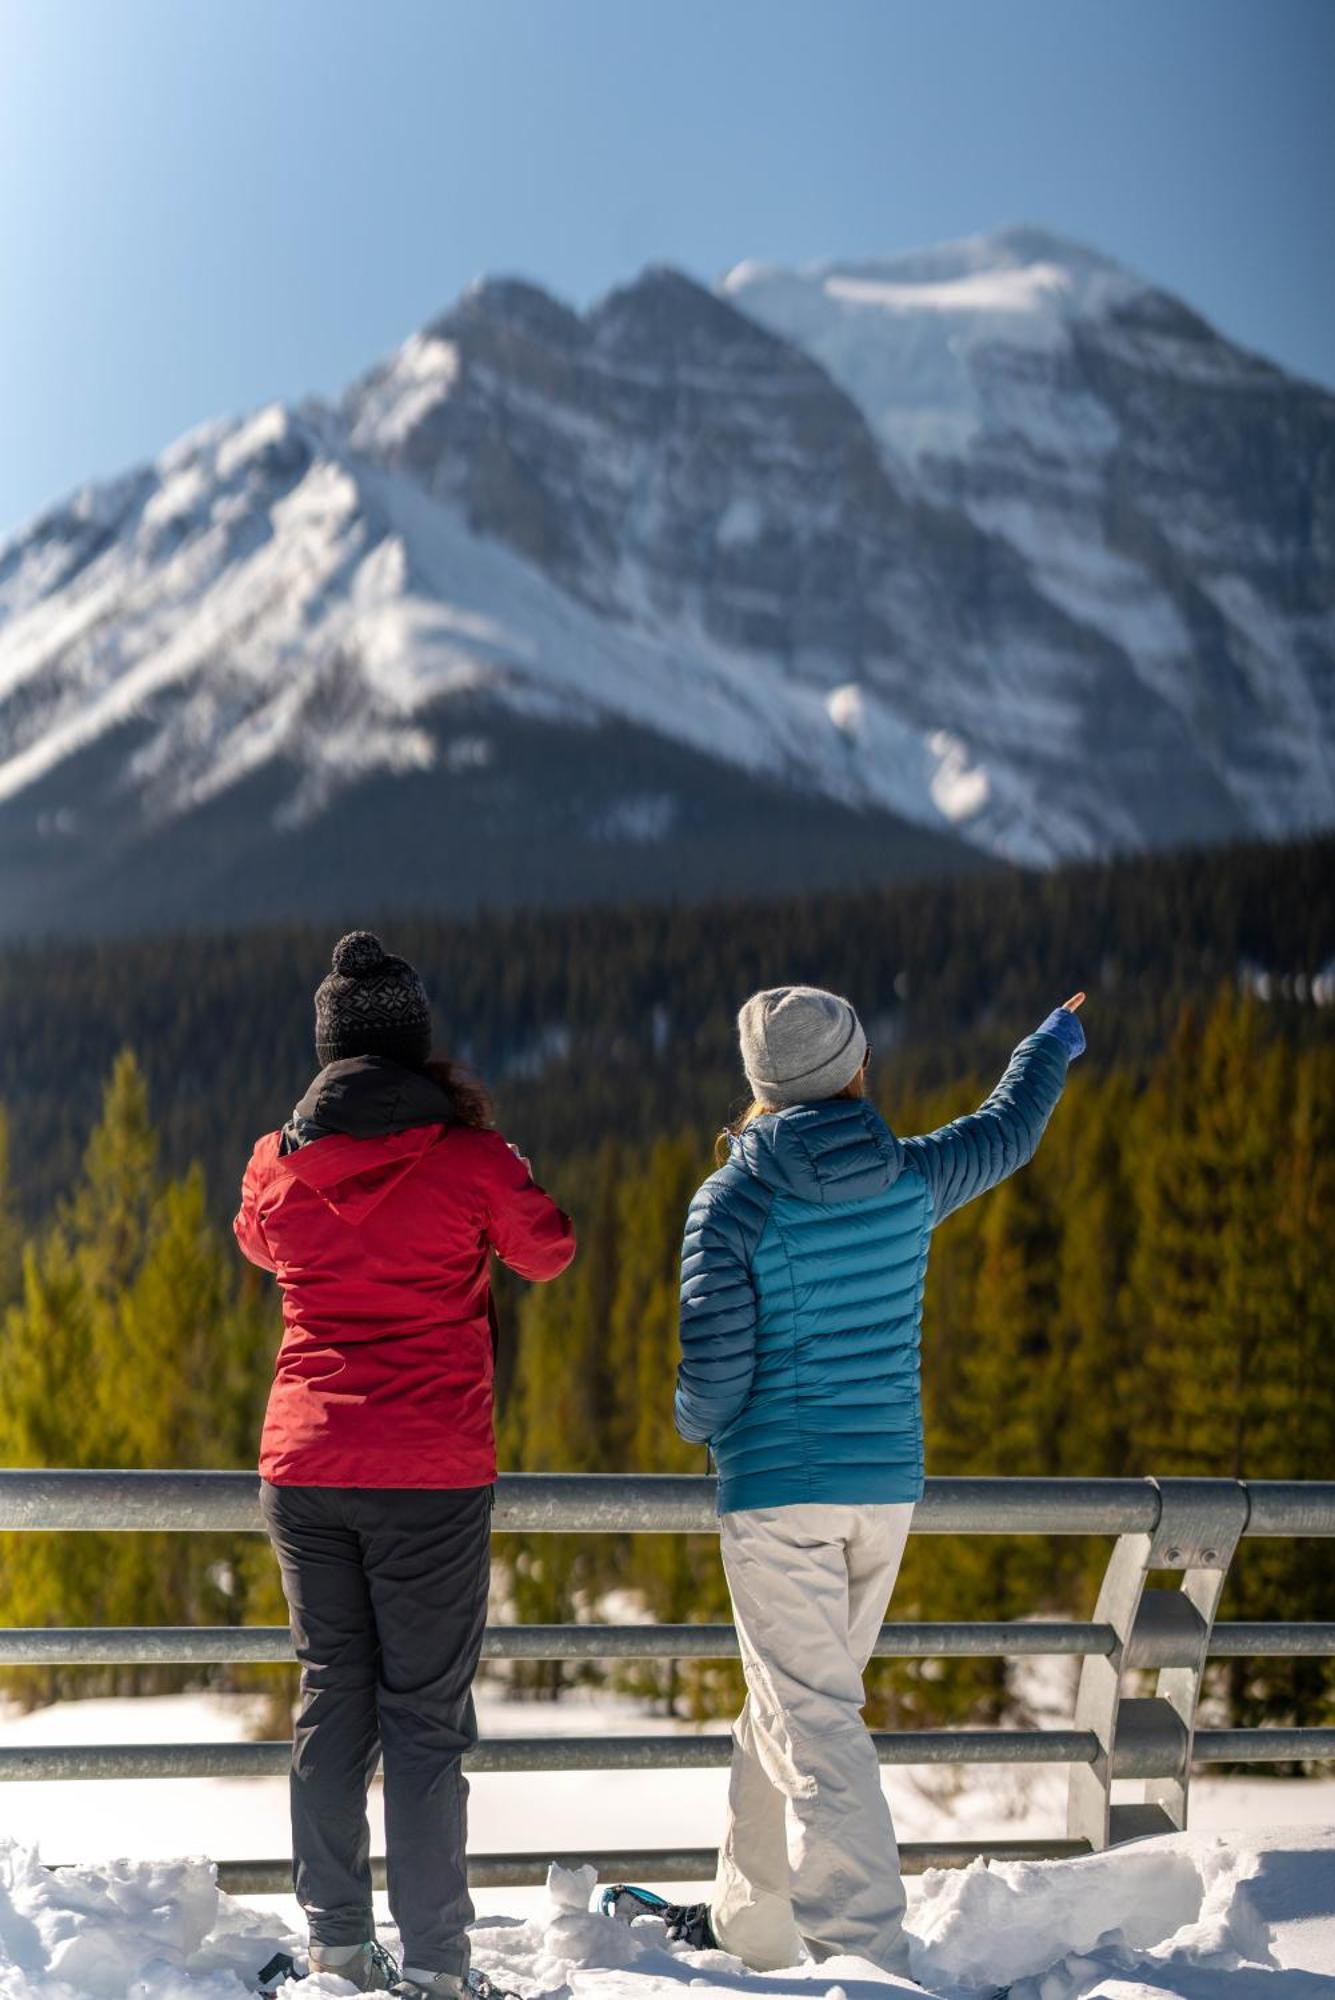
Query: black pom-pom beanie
371, 1004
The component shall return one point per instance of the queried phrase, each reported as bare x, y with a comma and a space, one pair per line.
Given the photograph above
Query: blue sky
205, 204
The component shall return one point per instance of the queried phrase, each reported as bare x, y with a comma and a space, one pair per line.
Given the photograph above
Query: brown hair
757, 1108
470, 1099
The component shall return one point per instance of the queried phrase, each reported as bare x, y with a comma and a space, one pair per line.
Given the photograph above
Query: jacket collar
365, 1097
839, 1149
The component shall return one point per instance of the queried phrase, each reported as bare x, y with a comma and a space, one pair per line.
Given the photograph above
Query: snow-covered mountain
1166, 491
992, 550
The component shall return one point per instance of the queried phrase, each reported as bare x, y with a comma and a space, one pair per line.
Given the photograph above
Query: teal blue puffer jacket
802, 1280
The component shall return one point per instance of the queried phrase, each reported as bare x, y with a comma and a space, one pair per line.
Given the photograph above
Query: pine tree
48, 1419
11, 1242
1199, 1273
170, 1407
1095, 1424
107, 1220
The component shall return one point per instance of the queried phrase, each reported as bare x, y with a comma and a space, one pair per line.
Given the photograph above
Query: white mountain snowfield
1241, 1907
909, 336
996, 541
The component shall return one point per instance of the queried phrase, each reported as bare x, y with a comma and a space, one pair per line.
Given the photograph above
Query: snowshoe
372, 1970
271, 1976
484, 1988
476, 1984
686, 1923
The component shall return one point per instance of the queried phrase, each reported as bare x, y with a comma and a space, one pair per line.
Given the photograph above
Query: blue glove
1065, 1025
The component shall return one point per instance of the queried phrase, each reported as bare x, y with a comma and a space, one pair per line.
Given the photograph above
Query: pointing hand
1072, 1005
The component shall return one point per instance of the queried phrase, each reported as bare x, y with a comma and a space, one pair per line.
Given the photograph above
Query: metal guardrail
654, 1503
271, 1645
1139, 1756
1190, 1527
653, 1864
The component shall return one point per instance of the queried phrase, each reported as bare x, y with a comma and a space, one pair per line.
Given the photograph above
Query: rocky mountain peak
992, 541
512, 304
669, 317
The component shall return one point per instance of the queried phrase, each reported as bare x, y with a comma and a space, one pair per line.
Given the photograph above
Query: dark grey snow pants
387, 1597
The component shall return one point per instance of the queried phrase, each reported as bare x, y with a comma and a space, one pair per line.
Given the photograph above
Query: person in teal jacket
802, 1277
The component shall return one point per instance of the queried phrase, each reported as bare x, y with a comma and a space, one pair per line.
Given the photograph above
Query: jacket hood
368, 1097
361, 1128
840, 1149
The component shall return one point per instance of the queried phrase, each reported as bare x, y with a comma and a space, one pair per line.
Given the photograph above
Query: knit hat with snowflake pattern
371, 1004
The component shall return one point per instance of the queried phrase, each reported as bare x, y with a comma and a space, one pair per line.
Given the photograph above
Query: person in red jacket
377, 1207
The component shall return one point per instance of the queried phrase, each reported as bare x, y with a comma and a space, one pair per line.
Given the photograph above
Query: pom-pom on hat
371, 1004
799, 1044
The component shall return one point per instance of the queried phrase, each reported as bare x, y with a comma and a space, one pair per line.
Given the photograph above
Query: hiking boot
368, 1966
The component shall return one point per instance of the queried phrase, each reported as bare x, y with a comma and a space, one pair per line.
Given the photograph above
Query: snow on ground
1241, 1908
1191, 1915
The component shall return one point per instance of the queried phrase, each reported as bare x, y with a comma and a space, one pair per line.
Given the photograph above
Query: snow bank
153, 1930
1206, 1918
1185, 1914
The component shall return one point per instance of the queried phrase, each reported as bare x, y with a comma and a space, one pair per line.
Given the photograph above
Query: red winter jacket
380, 1231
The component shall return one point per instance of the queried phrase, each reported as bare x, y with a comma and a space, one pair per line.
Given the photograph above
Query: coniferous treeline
613, 1021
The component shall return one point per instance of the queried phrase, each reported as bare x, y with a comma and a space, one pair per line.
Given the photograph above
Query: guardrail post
1150, 1737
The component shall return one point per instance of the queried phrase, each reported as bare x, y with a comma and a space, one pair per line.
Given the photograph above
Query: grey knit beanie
371, 1004
799, 1043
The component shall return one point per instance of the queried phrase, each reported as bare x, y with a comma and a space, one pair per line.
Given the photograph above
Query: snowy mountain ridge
992, 545
903, 334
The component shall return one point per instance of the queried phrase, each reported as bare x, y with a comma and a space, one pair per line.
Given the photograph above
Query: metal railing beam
1244, 1639
1290, 1507
260, 1645
44, 1763
710, 1750
1264, 1746
582, 1503
634, 1503
656, 1503
271, 1645
639, 1864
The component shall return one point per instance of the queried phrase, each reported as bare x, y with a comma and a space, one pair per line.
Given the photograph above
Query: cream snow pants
809, 1855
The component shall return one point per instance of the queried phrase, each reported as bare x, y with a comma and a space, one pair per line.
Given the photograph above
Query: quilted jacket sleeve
718, 1305
970, 1155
